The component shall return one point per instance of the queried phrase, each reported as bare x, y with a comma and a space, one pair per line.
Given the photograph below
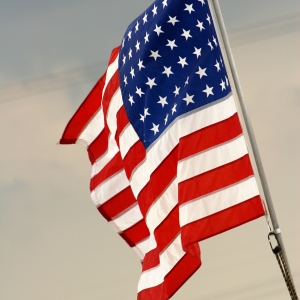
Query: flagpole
252, 140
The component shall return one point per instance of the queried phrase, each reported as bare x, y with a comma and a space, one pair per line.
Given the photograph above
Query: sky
54, 245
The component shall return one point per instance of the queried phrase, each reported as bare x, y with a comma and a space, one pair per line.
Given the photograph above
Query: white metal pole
248, 125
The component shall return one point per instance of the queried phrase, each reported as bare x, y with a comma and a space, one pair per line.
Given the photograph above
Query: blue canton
170, 63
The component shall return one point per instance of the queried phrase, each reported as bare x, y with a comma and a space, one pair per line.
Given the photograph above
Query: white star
154, 54
167, 71
202, 1
173, 20
176, 92
215, 41
154, 10
131, 99
189, 8
123, 43
146, 112
210, 45
145, 18
227, 82
188, 99
158, 30
164, 3
186, 34
197, 52
166, 119
201, 72
162, 101
125, 80
137, 26
217, 65
124, 59
142, 118
208, 91
208, 19
137, 46
139, 91
132, 72
129, 35
187, 81
174, 109
140, 65
221, 60
200, 25
155, 128
151, 82
130, 53
222, 84
182, 61
171, 44
146, 38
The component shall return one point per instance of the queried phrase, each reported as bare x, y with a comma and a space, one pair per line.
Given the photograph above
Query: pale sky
54, 244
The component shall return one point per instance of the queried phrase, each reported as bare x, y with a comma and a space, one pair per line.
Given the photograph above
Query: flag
170, 165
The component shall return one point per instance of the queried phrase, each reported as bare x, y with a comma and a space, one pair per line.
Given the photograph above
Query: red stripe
84, 113
159, 181
222, 221
117, 204
151, 260
113, 55
99, 146
135, 234
134, 157
110, 90
167, 170
209, 137
164, 234
115, 165
215, 179
122, 122
168, 229
181, 272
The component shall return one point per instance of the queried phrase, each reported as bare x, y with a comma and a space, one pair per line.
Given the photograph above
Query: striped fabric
183, 190
193, 182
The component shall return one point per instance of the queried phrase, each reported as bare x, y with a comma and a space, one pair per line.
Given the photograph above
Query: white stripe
139, 254
93, 128
168, 259
160, 210
151, 242
212, 158
127, 219
204, 117
94, 199
182, 127
172, 255
112, 68
218, 201
114, 106
150, 278
141, 248
111, 187
127, 139
112, 150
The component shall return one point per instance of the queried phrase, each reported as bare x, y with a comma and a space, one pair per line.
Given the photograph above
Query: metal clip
277, 248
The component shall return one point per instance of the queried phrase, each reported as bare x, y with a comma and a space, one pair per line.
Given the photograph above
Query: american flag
170, 165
